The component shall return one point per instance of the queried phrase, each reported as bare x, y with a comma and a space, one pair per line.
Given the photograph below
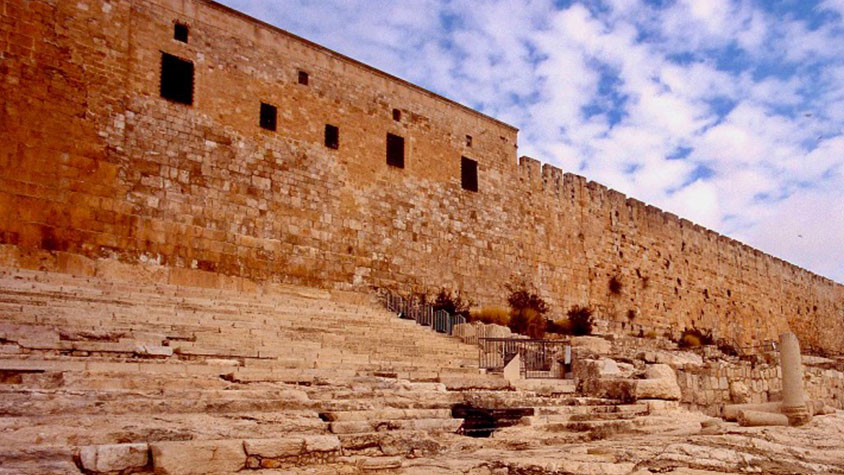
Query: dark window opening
268, 116
396, 115
395, 151
468, 140
469, 174
180, 32
176, 79
303, 78
332, 136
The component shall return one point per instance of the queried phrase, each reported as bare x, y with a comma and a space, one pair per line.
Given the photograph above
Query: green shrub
527, 321
493, 315
581, 320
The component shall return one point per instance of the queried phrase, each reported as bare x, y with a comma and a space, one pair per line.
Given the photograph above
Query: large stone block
663, 388
114, 457
198, 457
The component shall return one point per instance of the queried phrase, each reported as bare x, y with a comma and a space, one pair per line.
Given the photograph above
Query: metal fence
424, 314
539, 358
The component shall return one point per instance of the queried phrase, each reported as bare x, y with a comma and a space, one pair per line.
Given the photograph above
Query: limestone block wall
710, 387
98, 173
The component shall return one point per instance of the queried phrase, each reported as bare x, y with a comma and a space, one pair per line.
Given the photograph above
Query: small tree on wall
615, 285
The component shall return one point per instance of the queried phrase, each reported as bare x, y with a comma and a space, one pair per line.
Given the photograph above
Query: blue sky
729, 113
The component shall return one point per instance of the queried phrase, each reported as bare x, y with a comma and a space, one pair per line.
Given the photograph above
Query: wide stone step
380, 425
115, 428
392, 443
232, 455
28, 403
641, 408
386, 414
589, 417
605, 427
37, 460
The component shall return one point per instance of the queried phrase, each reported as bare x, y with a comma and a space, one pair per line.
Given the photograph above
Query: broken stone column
793, 399
748, 418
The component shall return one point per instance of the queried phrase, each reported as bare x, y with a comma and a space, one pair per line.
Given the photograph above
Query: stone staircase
95, 374
98, 376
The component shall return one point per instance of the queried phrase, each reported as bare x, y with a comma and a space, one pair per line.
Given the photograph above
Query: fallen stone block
114, 457
198, 457
748, 418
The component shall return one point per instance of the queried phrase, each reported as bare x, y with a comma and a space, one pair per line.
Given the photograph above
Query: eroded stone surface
198, 457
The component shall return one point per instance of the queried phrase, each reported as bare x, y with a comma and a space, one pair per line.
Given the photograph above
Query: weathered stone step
611, 426
640, 408
30, 403
380, 425
391, 443
387, 413
588, 417
111, 428
37, 460
232, 455
482, 382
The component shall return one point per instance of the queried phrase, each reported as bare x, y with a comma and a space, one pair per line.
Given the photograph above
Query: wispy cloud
728, 112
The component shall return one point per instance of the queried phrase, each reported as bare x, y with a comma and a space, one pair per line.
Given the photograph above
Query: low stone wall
710, 387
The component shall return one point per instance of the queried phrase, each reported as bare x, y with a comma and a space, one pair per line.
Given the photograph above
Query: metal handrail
423, 313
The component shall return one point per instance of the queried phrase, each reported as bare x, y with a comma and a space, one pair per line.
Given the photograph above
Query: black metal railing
423, 313
539, 358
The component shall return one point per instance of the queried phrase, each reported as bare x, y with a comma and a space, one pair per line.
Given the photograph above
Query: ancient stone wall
98, 173
708, 388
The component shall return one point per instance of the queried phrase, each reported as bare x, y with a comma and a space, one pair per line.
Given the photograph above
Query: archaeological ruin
210, 227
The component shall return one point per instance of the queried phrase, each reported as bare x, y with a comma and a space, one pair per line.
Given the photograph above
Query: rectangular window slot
468, 140
469, 174
176, 79
303, 78
396, 115
332, 136
180, 32
268, 116
395, 151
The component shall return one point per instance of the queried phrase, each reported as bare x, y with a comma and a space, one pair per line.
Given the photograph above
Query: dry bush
650, 334
693, 338
493, 315
527, 321
560, 327
689, 341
